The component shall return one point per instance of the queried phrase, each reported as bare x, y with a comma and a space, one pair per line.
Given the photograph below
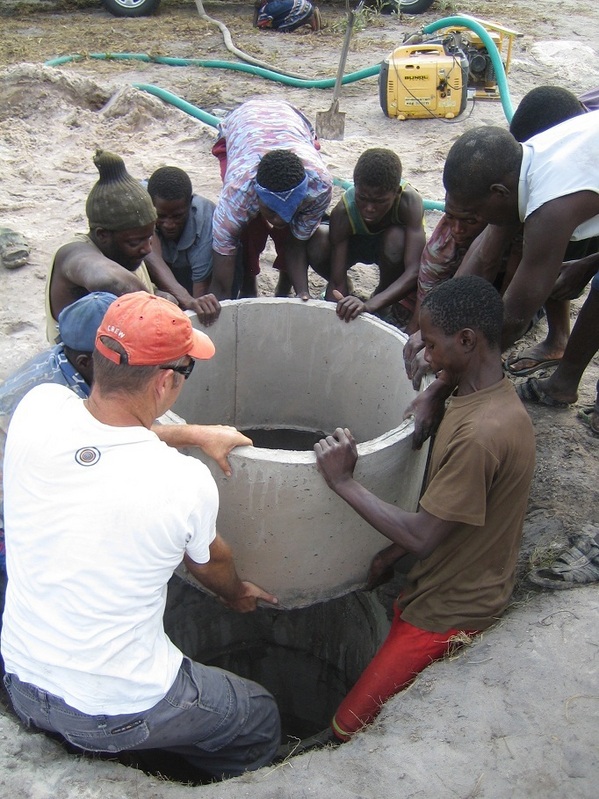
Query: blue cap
78, 323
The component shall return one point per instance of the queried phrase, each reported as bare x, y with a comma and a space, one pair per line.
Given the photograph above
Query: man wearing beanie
110, 256
275, 184
114, 512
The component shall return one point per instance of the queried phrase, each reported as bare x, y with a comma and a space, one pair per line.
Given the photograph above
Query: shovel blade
330, 124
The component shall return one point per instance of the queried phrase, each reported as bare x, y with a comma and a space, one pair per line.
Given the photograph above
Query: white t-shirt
558, 162
97, 519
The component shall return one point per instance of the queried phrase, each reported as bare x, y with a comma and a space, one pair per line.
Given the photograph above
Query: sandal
590, 417
536, 364
531, 391
578, 565
14, 248
316, 23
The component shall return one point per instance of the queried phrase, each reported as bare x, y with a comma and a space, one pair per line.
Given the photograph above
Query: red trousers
405, 652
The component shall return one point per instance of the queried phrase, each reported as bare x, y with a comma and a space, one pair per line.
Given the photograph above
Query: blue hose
300, 83
325, 83
179, 103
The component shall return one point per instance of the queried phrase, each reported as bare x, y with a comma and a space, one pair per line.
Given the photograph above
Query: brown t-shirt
480, 472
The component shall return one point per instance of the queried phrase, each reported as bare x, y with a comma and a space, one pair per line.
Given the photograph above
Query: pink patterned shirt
250, 131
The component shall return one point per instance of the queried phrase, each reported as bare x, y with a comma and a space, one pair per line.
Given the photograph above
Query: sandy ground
516, 715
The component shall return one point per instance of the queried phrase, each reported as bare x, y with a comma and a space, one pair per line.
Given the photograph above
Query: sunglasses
182, 370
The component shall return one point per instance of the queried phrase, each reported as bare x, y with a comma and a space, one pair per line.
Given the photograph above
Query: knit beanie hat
117, 201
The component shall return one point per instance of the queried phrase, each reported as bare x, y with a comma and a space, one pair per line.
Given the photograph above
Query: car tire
131, 8
415, 6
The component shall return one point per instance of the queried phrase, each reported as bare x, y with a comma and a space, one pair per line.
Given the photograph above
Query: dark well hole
308, 690
308, 658
284, 438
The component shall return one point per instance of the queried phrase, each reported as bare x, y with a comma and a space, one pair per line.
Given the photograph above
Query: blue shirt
190, 258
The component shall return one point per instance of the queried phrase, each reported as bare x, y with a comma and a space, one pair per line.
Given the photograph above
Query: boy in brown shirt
467, 530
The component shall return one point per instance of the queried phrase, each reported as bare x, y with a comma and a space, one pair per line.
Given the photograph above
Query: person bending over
548, 185
286, 15
274, 184
541, 109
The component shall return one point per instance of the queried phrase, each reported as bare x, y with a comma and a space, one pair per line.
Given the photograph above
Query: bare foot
552, 389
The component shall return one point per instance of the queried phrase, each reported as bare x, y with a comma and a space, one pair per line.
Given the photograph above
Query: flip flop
578, 565
537, 365
531, 391
14, 248
317, 20
586, 417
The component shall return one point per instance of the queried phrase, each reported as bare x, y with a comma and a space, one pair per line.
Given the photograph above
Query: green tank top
358, 226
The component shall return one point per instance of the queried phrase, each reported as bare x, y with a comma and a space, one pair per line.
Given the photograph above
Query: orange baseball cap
151, 330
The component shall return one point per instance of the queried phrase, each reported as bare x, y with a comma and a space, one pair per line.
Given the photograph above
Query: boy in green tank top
377, 221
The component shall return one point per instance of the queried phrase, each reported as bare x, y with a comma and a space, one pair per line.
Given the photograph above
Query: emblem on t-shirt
87, 456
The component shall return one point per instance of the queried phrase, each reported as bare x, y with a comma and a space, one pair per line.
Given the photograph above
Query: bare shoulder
74, 251
339, 224
411, 203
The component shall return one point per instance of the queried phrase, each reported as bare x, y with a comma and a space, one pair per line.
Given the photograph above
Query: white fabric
558, 162
90, 549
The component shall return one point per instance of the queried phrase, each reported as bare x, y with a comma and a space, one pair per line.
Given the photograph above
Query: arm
381, 566
220, 576
296, 256
485, 254
201, 288
414, 323
547, 232
207, 307
339, 233
419, 533
428, 408
412, 347
223, 273
237, 205
412, 210
215, 440
574, 276
163, 277
303, 226
82, 266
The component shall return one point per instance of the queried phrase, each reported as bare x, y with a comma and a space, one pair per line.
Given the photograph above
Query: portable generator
424, 80
433, 76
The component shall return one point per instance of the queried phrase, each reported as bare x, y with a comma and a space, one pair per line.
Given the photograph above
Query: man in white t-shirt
99, 513
550, 184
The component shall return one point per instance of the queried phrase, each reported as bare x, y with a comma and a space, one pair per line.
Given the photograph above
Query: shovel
331, 124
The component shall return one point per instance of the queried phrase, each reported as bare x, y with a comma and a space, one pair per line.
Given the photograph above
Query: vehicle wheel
415, 6
131, 8
407, 6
